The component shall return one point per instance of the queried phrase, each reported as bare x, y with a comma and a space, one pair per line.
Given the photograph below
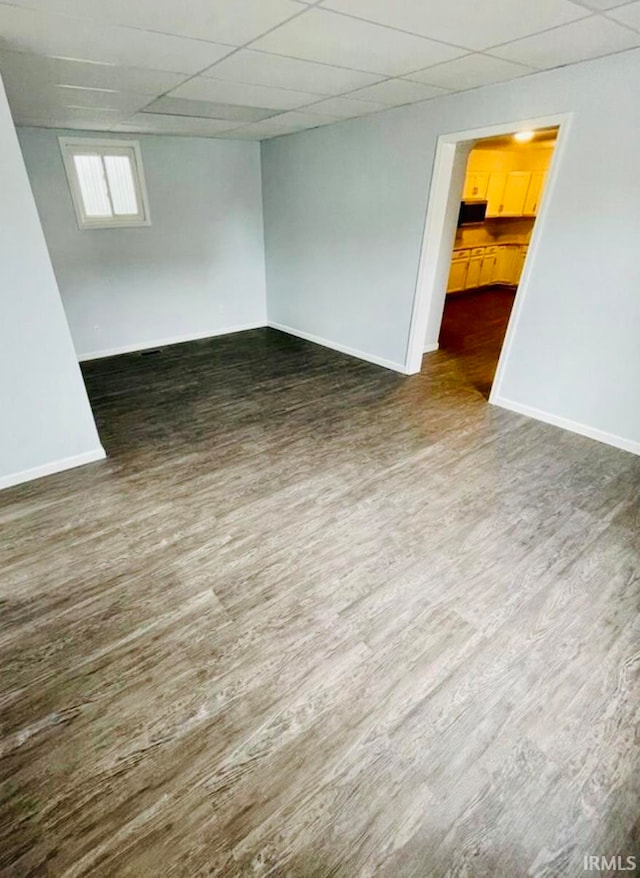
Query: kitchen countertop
457, 248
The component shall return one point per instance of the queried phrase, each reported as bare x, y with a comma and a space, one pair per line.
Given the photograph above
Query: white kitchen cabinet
488, 269
495, 191
510, 178
515, 193
509, 270
512, 262
473, 274
503, 256
508, 264
519, 263
475, 185
473, 268
534, 192
458, 272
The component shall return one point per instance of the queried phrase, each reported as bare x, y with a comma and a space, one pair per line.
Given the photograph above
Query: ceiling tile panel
34, 71
329, 38
24, 30
287, 123
264, 130
629, 15
469, 23
470, 72
209, 110
91, 119
205, 89
601, 5
590, 38
259, 68
241, 134
346, 108
307, 120
157, 124
398, 91
223, 21
57, 97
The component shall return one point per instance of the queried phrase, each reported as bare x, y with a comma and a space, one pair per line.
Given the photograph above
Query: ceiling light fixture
524, 136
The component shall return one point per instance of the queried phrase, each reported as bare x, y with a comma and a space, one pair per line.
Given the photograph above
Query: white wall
344, 215
45, 418
198, 270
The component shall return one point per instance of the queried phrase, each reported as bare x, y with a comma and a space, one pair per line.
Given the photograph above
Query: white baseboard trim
336, 346
48, 469
566, 424
165, 342
430, 348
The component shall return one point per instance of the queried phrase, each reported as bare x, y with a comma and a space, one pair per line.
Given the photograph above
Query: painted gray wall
344, 215
45, 417
198, 270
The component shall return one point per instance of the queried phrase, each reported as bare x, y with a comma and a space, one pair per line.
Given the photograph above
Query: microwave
472, 212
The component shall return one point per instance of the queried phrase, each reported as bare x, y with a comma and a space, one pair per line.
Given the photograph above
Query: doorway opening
503, 188
487, 205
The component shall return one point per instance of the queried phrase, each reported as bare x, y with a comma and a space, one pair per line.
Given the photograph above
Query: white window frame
69, 146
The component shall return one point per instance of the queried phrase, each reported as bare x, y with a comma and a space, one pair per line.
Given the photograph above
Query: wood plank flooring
312, 618
473, 329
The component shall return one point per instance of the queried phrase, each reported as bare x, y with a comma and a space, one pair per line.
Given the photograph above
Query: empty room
320, 437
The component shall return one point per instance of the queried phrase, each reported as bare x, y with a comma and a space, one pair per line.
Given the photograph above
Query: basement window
106, 180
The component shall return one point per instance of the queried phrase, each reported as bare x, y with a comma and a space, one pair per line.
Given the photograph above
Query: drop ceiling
255, 69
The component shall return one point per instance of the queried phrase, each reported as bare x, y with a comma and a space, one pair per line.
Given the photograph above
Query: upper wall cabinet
534, 192
495, 191
516, 193
512, 181
475, 185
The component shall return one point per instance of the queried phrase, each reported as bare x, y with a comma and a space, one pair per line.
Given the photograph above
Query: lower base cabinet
489, 266
475, 267
473, 273
458, 275
520, 259
506, 268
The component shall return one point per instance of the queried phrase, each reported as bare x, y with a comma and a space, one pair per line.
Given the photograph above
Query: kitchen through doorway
504, 183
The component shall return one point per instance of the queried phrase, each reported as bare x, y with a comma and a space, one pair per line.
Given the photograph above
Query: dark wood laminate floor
312, 618
473, 329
